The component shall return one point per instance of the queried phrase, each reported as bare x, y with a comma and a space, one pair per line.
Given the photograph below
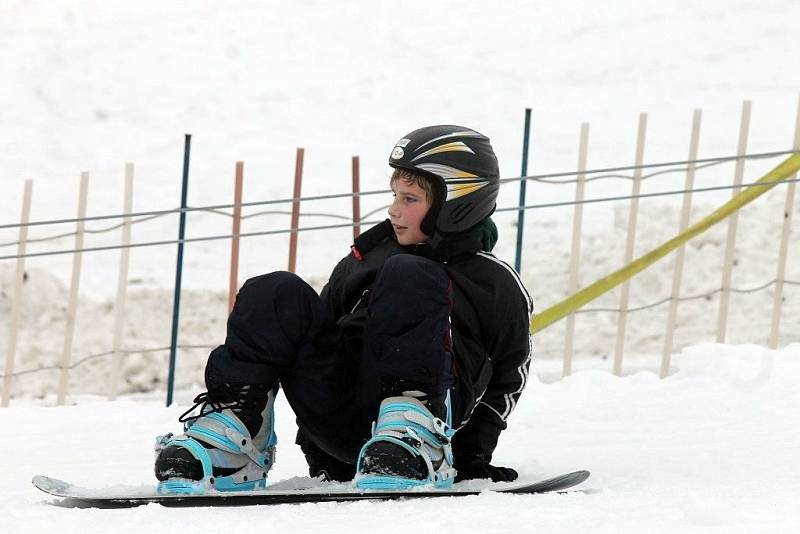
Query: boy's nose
392, 211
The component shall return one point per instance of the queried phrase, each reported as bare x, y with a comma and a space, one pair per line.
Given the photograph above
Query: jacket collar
445, 248
450, 248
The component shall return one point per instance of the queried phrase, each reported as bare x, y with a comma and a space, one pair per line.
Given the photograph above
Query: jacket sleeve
510, 348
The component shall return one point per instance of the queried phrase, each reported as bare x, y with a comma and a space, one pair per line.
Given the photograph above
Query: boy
420, 330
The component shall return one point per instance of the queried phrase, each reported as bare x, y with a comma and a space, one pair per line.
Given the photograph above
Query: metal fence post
522, 183
176, 303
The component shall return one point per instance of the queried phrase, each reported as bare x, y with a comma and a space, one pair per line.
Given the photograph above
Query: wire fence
688, 298
576, 178
89, 358
139, 217
610, 172
218, 212
544, 178
676, 192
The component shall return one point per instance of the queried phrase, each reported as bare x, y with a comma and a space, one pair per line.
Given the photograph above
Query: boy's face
407, 211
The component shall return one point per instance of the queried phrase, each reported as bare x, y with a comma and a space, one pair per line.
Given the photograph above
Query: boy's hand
481, 469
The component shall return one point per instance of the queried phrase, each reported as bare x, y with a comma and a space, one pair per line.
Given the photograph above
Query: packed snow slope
713, 447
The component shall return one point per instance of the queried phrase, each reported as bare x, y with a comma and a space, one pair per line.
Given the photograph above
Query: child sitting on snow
420, 329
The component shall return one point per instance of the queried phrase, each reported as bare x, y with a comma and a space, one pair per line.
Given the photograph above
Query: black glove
330, 469
478, 468
323, 464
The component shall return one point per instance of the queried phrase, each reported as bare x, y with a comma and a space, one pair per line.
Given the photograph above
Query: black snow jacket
490, 321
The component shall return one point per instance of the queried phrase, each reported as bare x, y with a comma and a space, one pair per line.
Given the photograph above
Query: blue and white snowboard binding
409, 448
217, 450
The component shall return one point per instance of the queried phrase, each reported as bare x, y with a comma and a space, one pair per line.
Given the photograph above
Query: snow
89, 85
713, 445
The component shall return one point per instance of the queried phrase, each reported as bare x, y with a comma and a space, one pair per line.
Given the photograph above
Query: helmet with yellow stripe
464, 173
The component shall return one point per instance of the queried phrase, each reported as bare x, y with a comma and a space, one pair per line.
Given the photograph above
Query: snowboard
298, 490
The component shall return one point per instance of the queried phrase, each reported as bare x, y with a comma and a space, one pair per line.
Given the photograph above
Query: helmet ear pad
439, 189
454, 217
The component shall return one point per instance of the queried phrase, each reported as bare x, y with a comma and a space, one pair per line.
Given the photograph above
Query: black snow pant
281, 332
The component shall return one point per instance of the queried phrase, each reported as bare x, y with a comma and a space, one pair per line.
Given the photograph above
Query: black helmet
464, 171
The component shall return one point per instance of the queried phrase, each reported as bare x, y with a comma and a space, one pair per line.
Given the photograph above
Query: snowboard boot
410, 446
228, 446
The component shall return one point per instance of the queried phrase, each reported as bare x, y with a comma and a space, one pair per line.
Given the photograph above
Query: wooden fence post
730, 244
72, 307
774, 333
356, 198
233, 284
677, 273
575, 254
122, 286
632, 219
16, 304
298, 180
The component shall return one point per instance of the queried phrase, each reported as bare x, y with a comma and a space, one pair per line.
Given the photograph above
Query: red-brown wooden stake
356, 198
233, 286
298, 180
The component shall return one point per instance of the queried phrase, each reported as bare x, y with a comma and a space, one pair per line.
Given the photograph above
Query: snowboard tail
80, 497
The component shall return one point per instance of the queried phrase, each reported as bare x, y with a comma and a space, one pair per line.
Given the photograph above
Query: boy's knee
275, 297
270, 287
271, 280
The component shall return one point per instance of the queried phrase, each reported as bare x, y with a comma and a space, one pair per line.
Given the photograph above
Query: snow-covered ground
713, 447
89, 85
